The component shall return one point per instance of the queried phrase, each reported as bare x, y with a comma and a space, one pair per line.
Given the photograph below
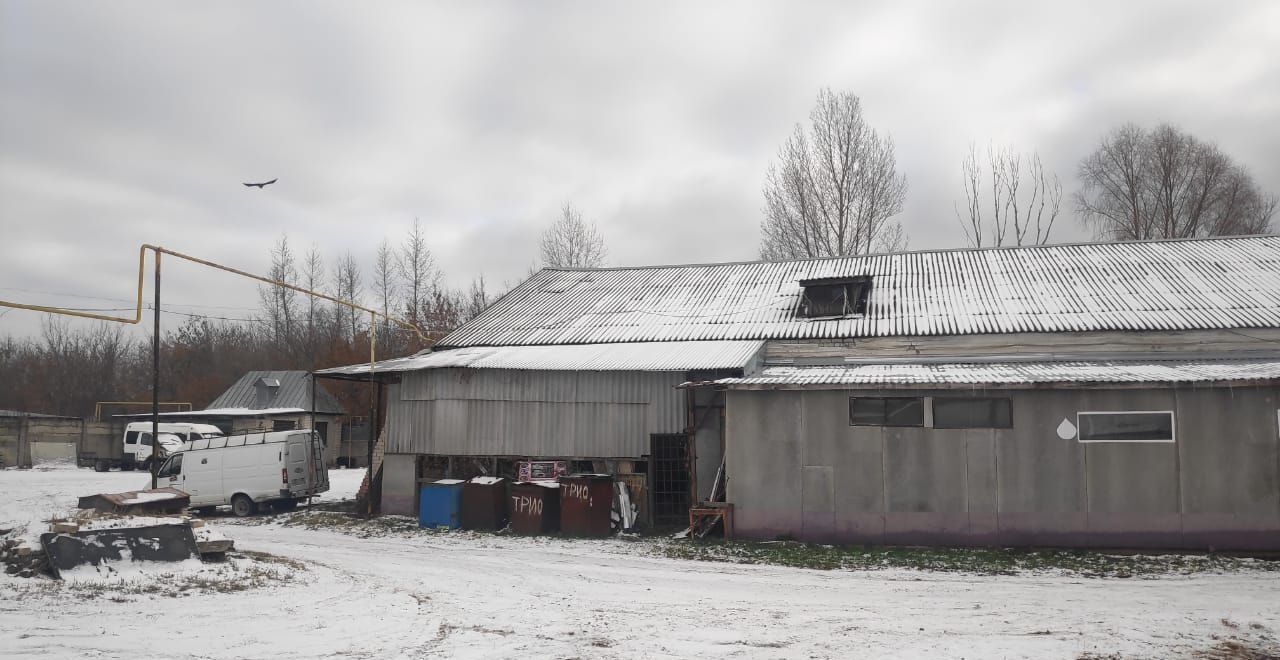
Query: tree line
68, 368
835, 188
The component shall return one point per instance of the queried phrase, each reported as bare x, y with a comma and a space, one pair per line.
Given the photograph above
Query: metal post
155, 384
313, 400
373, 403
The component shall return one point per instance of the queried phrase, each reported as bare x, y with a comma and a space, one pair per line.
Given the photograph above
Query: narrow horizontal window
886, 411
972, 413
1128, 426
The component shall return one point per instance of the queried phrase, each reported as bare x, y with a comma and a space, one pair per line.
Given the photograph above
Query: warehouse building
1120, 394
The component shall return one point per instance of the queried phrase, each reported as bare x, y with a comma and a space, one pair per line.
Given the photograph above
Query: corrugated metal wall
488, 412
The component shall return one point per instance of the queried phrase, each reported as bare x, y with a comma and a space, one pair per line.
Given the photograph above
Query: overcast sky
131, 122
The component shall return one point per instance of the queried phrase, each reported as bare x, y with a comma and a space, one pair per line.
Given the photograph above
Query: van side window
172, 467
131, 438
146, 439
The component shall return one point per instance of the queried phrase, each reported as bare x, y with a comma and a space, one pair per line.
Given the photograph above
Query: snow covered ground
482, 595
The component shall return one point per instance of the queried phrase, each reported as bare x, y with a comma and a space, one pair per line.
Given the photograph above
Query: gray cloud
135, 122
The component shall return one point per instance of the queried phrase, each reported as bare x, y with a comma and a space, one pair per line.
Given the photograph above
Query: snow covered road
480, 595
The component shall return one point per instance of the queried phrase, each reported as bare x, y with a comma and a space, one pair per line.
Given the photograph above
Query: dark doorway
322, 430
669, 479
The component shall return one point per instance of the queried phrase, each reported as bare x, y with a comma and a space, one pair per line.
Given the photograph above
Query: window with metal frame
886, 411
972, 413
1126, 426
834, 296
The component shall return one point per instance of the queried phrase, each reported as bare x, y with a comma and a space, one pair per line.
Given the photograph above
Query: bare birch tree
348, 286
1164, 183
571, 242
418, 274
1013, 201
313, 280
834, 188
384, 285
279, 303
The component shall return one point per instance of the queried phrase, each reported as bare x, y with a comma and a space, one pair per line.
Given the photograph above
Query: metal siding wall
534, 413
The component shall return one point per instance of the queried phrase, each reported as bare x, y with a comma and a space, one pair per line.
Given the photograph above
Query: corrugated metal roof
1015, 373
1154, 285
19, 413
294, 391
645, 356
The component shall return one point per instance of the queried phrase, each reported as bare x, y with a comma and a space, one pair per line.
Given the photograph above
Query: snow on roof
282, 389
1151, 285
224, 412
645, 356
1017, 373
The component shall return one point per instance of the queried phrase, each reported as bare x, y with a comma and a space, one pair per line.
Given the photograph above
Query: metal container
484, 503
439, 502
586, 503
535, 507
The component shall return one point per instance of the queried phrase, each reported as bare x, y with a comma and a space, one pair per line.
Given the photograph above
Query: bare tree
1164, 183
279, 303
834, 188
312, 280
348, 286
418, 274
384, 285
1016, 206
570, 242
477, 299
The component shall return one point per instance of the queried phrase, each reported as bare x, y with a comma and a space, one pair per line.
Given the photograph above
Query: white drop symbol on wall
1066, 430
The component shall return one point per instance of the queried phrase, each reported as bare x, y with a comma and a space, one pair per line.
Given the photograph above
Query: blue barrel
439, 502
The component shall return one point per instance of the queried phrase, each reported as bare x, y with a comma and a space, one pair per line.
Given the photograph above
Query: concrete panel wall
763, 456
9, 431
1218, 485
399, 484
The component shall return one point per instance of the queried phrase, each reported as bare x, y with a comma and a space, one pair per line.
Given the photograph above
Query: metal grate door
669, 479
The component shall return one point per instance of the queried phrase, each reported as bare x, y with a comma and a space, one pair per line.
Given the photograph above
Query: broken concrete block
196, 523
65, 528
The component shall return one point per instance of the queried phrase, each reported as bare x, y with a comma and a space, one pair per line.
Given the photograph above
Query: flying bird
259, 186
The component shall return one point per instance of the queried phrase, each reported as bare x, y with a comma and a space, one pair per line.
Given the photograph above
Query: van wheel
127, 466
145, 465
101, 466
242, 506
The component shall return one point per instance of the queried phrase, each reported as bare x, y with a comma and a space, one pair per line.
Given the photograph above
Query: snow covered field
482, 595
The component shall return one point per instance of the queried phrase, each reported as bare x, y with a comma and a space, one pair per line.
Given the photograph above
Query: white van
138, 443
279, 468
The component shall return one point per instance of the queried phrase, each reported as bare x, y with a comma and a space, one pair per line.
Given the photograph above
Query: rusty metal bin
586, 503
535, 507
484, 503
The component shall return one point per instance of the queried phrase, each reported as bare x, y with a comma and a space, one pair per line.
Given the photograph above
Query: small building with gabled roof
278, 400
1105, 394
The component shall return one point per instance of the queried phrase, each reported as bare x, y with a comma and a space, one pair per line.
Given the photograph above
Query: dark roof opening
834, 296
